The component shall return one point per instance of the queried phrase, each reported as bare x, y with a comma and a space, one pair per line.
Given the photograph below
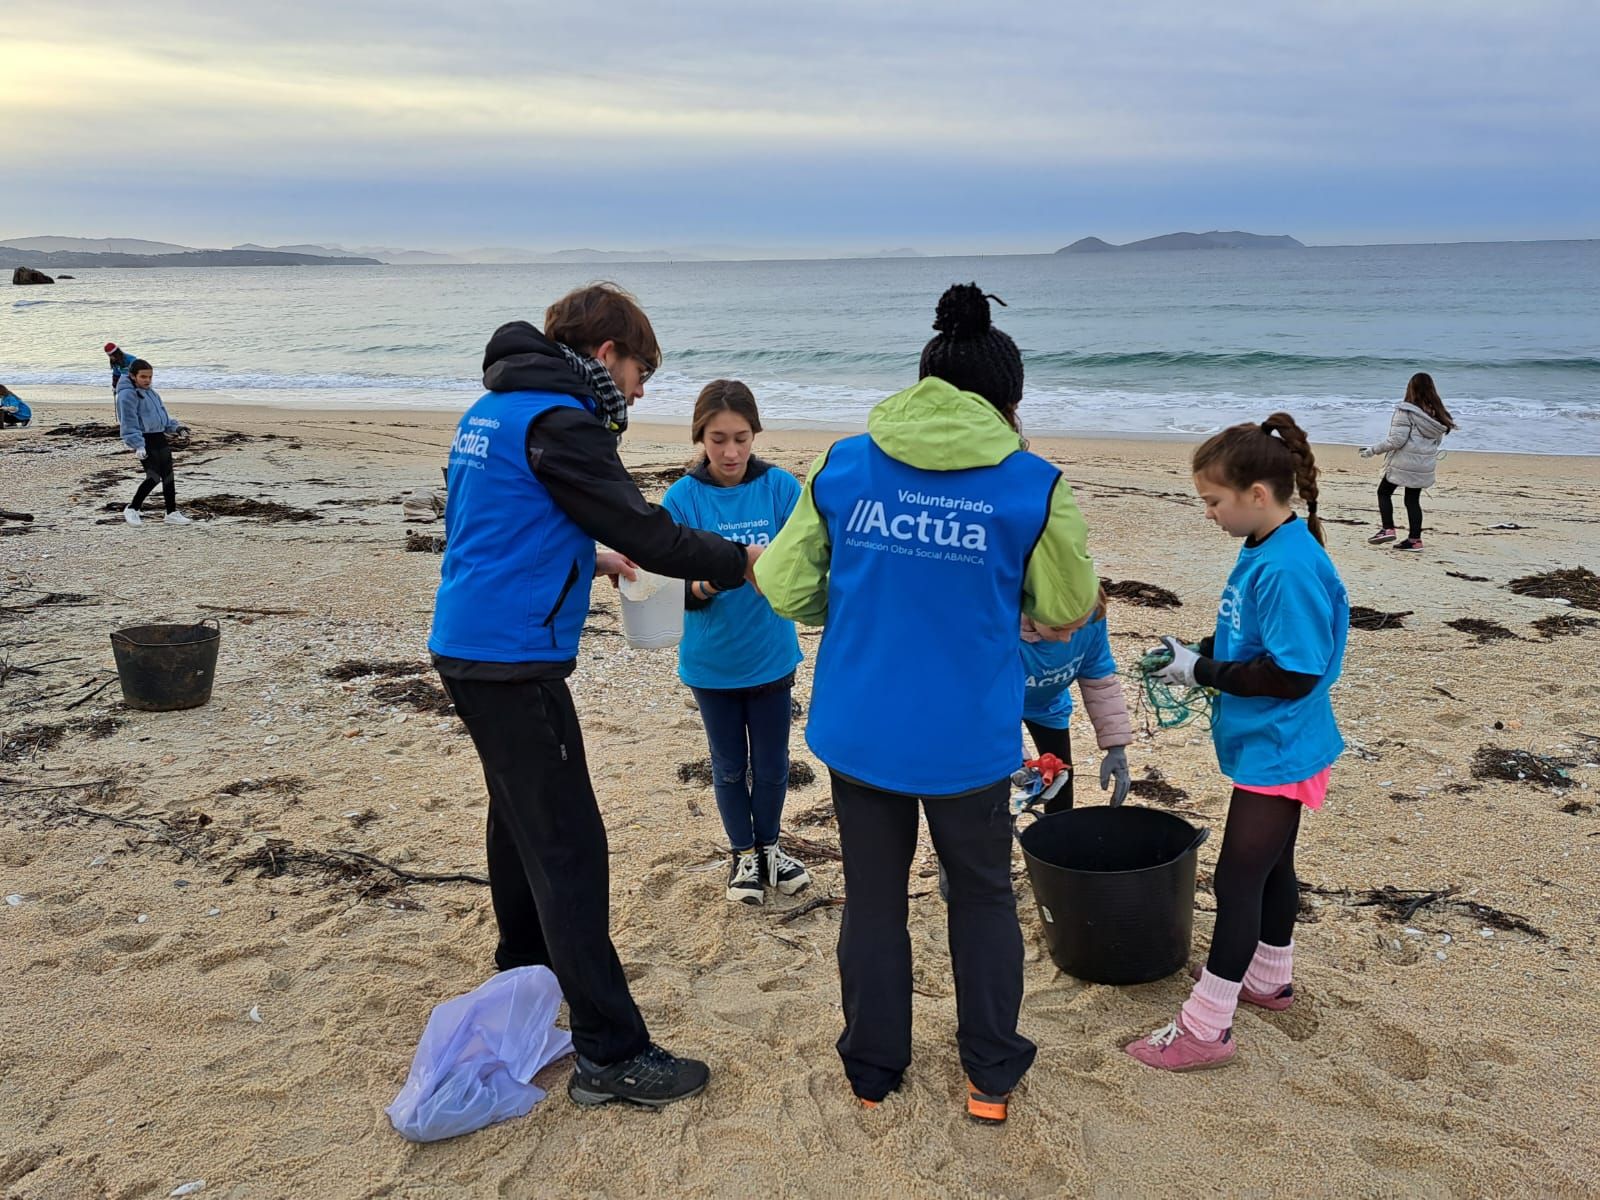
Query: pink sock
1271, 970
1208, 1012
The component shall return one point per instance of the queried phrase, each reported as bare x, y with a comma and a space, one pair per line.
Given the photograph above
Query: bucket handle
119, 636
1200, 838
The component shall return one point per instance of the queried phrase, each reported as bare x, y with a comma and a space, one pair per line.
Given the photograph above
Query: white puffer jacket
1412, 446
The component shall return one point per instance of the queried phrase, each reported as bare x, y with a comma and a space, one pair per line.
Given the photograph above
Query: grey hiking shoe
651, 1078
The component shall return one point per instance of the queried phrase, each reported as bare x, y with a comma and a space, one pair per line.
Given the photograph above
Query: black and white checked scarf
611, 406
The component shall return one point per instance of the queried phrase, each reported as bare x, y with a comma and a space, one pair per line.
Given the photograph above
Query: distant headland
1215, 240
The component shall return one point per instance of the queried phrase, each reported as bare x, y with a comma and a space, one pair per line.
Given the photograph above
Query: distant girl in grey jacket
1416, 431
145, 430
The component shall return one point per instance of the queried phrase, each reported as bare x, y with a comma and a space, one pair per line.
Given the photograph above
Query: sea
1175, 343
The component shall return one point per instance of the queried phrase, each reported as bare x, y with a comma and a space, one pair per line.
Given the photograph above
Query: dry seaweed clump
1576, 585
1362, 617
1484, 631
356, 668
416, 693
1147, 595
30, 741
423, 543
1563, 625
269, 511
1155, 787
1521, 766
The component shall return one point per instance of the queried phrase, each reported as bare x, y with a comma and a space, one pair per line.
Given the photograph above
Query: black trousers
1059, 743
1386, 492
549, 864
1258, 897
157, 469
972, 835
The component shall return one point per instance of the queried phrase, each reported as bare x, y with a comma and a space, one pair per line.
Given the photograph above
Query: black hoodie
575, 457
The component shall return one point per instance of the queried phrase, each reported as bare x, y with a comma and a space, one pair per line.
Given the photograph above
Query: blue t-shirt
1285, 599
1053, 666
736, 641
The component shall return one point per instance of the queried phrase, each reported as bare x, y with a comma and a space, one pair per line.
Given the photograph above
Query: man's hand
611, 564
140, 453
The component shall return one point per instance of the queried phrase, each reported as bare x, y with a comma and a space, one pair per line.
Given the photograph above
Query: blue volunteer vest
514, 583
918, 685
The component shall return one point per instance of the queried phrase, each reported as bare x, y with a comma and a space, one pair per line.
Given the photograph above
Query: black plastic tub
1115, 890
166, 667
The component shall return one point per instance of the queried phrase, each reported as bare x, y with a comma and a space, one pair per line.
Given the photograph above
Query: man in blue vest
534, 483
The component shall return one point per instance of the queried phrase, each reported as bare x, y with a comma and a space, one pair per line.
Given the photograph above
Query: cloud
636, 93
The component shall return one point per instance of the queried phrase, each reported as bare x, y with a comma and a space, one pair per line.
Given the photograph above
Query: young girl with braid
1277, 651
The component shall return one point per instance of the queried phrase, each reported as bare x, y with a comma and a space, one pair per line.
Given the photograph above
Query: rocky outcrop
24, 275
1217, 239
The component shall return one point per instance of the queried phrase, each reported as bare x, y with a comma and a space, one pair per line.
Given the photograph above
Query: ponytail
1305, 465
1275, 452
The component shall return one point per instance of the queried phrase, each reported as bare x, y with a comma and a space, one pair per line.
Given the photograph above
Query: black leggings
1257, 894
1386, 492
157, 469
1059, 743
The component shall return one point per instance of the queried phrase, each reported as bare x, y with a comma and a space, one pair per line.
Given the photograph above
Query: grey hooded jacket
1412, 447
140, 411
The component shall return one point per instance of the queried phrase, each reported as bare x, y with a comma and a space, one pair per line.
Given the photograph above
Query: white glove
1114, 765
1367, 452
140, 453
1180, 670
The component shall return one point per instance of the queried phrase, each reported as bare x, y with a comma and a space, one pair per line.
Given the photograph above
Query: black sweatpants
972, 835
1258, 896
549, 865
1059, 743
1386, 492
157, 469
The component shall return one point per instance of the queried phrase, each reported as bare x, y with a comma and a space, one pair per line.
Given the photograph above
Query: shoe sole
589, 1098
1205, 1066
793, 886
1383, 541
755, 901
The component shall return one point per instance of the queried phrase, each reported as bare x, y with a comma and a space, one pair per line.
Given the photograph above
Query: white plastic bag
477, 1055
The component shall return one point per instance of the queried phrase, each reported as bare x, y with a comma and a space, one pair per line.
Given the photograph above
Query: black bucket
1115, 890
165, 667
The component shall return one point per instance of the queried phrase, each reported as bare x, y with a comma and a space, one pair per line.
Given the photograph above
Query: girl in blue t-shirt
737, 655
1051, 669
1277, 650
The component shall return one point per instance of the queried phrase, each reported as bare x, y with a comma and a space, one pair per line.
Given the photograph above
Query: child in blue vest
737, 655
1052, 668
1277, 650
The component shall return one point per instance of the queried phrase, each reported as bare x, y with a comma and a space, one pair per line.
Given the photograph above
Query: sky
943, 125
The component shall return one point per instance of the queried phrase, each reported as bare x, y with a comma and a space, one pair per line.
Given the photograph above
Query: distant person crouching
12, 410
1416, 432
145, 430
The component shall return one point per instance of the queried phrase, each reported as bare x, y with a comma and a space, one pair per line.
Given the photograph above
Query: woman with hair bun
920, 545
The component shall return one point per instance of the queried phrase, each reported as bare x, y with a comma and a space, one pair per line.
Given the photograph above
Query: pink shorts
1310, 792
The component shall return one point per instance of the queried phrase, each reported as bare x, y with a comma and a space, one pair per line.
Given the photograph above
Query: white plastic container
652, 611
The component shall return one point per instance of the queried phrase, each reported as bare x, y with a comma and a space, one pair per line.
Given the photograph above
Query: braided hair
1275, 452
970, 353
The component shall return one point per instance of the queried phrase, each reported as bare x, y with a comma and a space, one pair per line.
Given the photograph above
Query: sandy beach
187, 999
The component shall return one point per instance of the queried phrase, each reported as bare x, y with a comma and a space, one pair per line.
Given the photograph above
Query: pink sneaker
1174, 1048
1272, 1002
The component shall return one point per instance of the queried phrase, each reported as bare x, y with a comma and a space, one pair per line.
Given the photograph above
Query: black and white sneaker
744, 878
780, 871
653, 1077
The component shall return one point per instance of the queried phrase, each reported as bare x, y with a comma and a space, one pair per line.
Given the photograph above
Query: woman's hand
751, 553
1180, 670
611, 564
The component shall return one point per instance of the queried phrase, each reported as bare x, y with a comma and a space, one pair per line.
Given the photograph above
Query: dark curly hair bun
970, 353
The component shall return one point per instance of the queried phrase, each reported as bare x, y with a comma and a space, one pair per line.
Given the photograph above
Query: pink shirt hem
1310, 792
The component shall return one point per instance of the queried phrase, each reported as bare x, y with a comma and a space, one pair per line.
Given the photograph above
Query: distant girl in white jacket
1416, 432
